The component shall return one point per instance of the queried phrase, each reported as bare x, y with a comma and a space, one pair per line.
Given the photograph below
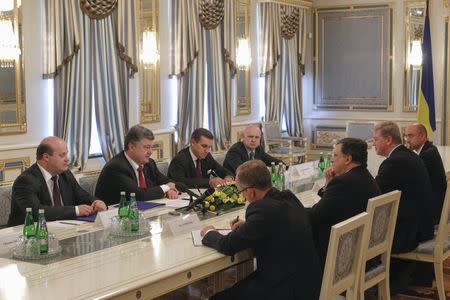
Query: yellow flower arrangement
224, 197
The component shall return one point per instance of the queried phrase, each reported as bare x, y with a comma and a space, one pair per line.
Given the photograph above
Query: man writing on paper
133, 171
417, 140
276, 228
50, 185
195, 167
248, 149
349, 186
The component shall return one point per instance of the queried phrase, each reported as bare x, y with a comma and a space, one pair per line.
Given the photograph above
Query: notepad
197, 238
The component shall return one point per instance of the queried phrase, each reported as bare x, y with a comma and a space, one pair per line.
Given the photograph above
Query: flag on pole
425, 111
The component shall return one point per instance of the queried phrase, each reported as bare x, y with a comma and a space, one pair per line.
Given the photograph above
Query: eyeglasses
244, 189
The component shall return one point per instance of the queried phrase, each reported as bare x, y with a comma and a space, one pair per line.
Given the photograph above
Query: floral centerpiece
224, 197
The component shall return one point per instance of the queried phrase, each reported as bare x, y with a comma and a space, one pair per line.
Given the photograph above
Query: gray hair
389, 128
136, 134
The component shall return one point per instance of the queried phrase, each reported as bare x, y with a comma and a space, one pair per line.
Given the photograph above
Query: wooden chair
436, 250
382, 212
281, 146
343, 263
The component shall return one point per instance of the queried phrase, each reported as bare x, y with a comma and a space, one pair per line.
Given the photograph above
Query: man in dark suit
349, 186
404, 170
194, 165
133, 171
276, 228
417, 140
248, 149
50, 185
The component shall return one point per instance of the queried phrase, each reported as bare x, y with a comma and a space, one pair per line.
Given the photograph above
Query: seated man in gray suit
50, 185
248, 149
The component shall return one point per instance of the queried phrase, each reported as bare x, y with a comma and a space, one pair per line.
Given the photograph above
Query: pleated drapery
281, 61
103, 58
203, 60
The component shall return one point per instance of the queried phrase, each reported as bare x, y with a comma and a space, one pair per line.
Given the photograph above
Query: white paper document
197, 238
175, 203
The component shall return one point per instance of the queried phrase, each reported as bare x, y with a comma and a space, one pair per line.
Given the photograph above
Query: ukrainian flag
425, 111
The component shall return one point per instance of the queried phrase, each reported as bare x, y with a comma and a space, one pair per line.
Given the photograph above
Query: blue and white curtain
91, 57
203, 55
281, 62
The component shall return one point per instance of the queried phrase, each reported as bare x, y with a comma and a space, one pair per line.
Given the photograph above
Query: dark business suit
182, 169
118, 175
278, 231
403, 170
30, 190
433, 162
345, 196
237, 155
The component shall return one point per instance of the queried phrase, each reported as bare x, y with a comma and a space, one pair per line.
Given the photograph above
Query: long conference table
97, 266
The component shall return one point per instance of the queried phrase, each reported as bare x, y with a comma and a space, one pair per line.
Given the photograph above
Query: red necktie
198, 168
56, 193
142, 183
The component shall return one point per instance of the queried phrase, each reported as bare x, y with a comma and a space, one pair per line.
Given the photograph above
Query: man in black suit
50, 185
133, 171
276, 228
194, 165
417, 140
349, 186
404, 170
248, 149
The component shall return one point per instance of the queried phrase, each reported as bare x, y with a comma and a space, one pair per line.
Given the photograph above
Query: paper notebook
197, 238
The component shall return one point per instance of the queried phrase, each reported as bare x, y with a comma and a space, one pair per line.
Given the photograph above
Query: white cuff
165, 188
77, 212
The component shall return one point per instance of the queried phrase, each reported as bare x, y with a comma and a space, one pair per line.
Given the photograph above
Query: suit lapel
64, 189
45, 194
129, 167
191, 163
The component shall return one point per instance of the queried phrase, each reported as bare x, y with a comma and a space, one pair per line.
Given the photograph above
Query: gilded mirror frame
414, 24
243, 21
13, 101
149, 89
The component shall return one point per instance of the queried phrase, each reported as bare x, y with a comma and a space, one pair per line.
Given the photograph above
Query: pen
68, 223
236, 220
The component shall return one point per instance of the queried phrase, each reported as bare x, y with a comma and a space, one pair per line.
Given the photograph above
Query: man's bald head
252, 137
51, 154
416, 136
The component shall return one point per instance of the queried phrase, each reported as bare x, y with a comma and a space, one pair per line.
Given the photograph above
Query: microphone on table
198, 200
183, 188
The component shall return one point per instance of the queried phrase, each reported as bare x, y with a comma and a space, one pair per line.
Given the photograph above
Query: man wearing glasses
276, 228
194, 165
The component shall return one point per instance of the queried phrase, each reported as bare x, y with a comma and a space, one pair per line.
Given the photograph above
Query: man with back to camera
404, 170
249, 148
133, 171
349, 186
194, 165
417, 140
49, 184
277, 229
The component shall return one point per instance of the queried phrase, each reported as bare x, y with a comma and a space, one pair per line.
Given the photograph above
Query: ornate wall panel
353, 58
323, 137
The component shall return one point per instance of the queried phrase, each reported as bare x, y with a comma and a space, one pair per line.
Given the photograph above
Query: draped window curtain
200, 57
282, 54
90, 58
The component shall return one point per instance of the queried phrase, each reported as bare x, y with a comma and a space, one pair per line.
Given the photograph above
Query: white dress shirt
135, 167
49, 182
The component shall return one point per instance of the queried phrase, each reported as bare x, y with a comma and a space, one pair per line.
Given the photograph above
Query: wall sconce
415, 54
150, 53
243, 55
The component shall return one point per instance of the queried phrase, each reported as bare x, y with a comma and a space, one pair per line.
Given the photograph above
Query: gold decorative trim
158, 149
19, 163
243, 103
298, 3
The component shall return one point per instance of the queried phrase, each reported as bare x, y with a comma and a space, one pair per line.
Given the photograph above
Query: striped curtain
281, 61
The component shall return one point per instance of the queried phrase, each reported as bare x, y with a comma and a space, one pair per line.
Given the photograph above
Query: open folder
197, 238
